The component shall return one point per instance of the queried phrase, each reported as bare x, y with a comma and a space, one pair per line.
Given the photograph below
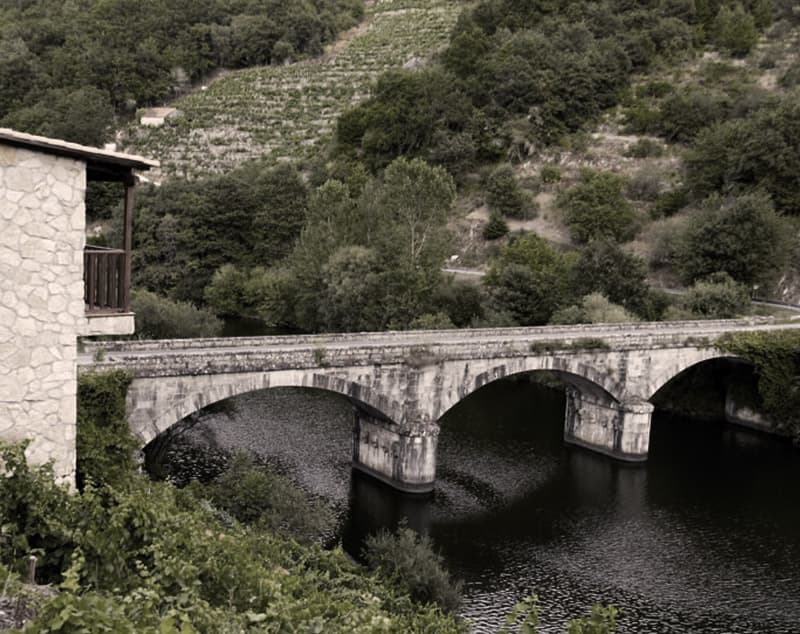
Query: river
704, 537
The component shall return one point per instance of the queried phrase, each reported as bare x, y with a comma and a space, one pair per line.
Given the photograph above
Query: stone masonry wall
42, 229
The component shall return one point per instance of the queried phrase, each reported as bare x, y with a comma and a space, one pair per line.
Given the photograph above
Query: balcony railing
105, 285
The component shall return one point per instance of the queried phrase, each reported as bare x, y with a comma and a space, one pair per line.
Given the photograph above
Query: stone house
53, 288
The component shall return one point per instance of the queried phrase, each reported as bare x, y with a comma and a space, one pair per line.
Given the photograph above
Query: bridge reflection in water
702, 538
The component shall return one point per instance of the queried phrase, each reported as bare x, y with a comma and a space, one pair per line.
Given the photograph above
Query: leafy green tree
596, 208
352, 292
402, 117
717, 296
604, 267
741, 236
84, 115
530, 280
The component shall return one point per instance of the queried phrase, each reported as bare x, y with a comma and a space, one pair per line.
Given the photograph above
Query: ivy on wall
776, 357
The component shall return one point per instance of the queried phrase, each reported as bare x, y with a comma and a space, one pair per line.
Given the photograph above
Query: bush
734, 30
161, 318
530, 280
550, 174
105, 446
593, 309
596, 208
670, 203
645, 148
717, 296
409, 560
742, 236
504, 195
152, 558
684, 113
645, 185
495, 228
254, 494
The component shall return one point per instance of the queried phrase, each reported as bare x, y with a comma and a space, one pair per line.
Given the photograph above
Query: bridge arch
584, 373
156, 404
668, 372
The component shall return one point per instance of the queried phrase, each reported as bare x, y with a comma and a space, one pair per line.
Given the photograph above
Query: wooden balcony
106, 281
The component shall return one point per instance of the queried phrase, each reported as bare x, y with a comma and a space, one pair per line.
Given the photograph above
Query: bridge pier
618, 430
405, 459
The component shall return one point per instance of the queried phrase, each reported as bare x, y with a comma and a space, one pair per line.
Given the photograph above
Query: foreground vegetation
237, 554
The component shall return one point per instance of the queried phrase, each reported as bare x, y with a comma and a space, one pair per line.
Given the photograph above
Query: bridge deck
388, 347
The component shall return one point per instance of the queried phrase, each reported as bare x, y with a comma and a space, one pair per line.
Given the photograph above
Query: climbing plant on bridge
776, 357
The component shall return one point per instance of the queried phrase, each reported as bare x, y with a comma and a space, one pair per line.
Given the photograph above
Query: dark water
703, 538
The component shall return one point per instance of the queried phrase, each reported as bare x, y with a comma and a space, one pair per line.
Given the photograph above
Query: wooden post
130, 189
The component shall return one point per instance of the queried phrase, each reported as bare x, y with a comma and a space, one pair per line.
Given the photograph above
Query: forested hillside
579, 152
629, 136
72, 69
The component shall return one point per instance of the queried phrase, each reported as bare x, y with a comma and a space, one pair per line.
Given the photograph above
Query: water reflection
702, 538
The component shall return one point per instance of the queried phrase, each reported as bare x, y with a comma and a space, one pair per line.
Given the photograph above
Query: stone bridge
401, 383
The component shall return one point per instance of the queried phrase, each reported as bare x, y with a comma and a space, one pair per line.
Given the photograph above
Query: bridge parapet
566, 333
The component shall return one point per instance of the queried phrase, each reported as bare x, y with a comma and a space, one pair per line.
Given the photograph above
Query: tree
596, 208
604, 267
735, 30
592, 309
503, 193
742, 236
717, 296
410, 208
352, 295
530, 280
82, 116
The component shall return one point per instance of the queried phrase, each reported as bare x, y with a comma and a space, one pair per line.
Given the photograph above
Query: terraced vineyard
281, 113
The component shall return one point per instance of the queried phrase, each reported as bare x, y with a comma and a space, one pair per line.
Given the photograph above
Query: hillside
287, 113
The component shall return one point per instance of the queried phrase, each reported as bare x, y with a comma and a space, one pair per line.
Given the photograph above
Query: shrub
252, 494
504, 195
161, 318
596, 208
670, 203
495, 228
742, 236
684, 113
550, 174
717, 296
646, 185
409, 560
530, 280
105, 446
645, 148
431, 321
734, 30
593, 309
153, 558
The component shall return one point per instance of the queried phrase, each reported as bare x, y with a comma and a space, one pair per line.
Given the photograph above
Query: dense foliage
105, 448
67, 68
741, 236
519, 75
776, 357
185, 231
162, 318
409, 560
362, 262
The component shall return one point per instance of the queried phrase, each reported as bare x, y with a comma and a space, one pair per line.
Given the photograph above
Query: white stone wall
42, 233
